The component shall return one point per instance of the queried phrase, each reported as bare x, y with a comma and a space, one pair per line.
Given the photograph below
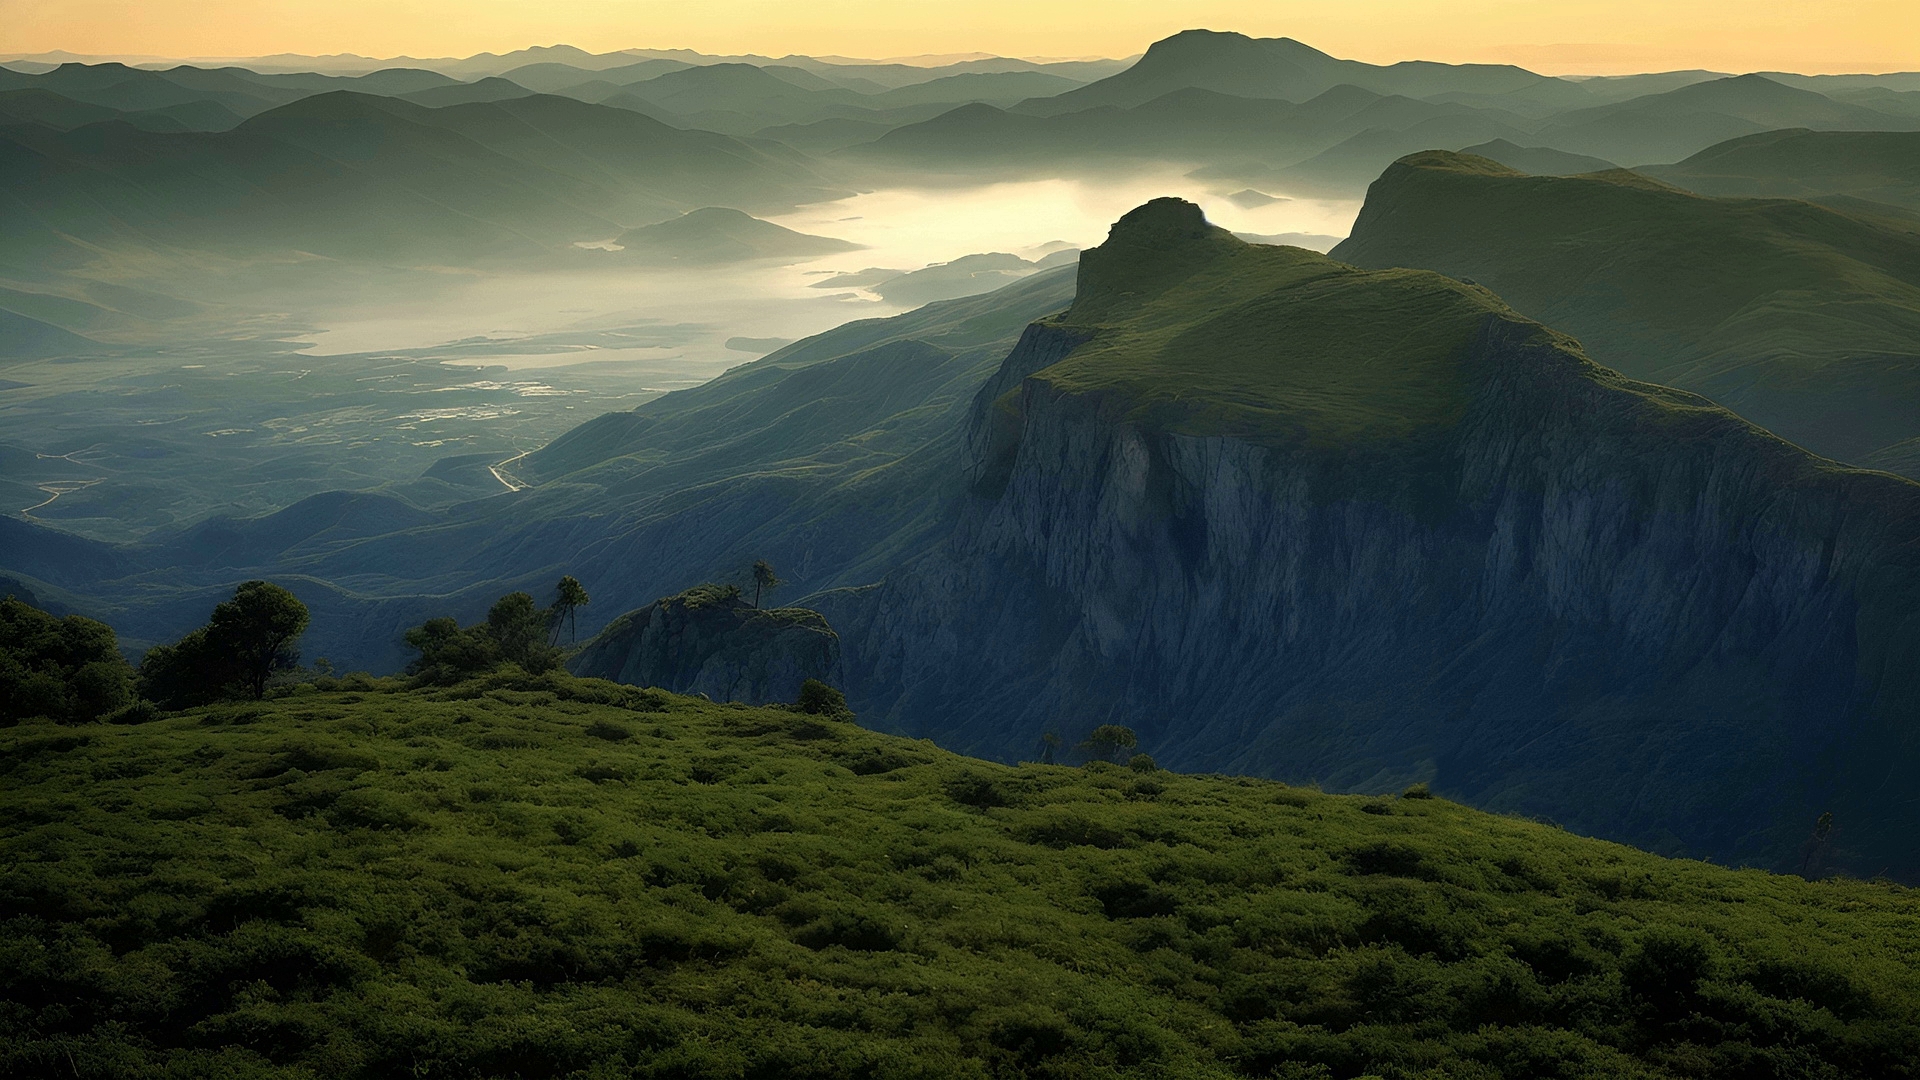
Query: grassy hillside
572, 878
1879, 166
1189, 336
1801, 318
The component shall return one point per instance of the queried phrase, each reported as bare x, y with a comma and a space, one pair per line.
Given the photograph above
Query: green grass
1799, 317
563, 877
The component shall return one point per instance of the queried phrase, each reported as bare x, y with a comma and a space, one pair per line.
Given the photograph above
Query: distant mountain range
356, 175
1244, 110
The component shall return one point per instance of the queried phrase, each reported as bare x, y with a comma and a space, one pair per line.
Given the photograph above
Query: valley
1228, 561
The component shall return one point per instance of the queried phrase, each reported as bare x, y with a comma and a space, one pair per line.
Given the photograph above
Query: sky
1553, 36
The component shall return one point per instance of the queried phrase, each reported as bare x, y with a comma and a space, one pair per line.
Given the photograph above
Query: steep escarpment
1367, 528
709, 641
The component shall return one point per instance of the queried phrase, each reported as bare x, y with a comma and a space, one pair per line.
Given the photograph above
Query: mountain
740, 99
1800, 318
355, 175
1879, 166
1538, 160
1000, 88
552, 78
488, 89
1358, 131
1672, 125
48, 109
1288, 517
715, 234
1283, 68
538, 877
127, 89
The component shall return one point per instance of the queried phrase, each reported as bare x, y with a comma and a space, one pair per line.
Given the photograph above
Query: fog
302, 375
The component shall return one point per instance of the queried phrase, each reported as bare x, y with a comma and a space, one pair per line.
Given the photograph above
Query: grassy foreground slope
1799, 317
572, 878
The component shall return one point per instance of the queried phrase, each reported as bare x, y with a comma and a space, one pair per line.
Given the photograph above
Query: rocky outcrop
709, 641
1584, 598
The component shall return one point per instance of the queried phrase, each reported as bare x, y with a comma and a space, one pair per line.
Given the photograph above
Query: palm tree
568, 596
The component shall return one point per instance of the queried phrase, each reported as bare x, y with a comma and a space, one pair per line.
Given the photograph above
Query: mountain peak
1159, 221
1151, 246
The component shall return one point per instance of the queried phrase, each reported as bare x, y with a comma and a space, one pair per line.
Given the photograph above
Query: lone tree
247, 639
256, 630
1107, 741
763, 579
568, 596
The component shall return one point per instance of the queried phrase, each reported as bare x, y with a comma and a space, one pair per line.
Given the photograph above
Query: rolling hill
1878, 166
1800, 318
1675, 124
547, 877
356, 175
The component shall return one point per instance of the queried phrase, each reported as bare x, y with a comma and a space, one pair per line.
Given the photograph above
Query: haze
1580, 36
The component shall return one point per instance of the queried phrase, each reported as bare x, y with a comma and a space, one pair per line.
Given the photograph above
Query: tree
519, 628
515, 631
247, 640
819, 699
61, 668
255, 632
568, 596
763, 579
1107, 741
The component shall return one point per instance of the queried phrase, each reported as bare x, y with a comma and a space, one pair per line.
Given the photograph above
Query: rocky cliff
1368, 528
709, 641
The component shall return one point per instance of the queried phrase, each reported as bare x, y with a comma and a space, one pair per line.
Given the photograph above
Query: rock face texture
1568, 594
709, 641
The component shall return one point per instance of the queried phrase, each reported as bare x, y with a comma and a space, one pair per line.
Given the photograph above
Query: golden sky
1555, 36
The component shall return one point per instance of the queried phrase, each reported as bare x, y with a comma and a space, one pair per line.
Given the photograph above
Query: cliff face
1564, 594
707, 641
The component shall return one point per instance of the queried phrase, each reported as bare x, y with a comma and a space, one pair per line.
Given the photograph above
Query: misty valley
1227, 562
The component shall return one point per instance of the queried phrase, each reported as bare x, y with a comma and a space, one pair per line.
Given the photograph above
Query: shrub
1417, 791
818, 699
1142, 763
61, 668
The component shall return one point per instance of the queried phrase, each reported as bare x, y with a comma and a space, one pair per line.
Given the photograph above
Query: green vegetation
248, 640
60, 668
517, 631
1207, 334
764, 579
1876, 166
1800, 318
546, 877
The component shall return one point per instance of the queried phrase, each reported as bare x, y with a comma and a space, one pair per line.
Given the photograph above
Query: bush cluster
60, 668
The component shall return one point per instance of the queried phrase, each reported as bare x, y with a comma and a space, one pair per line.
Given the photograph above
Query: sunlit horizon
1580, 37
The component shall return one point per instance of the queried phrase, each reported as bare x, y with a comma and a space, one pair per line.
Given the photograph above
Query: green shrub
818, 699
66, 669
